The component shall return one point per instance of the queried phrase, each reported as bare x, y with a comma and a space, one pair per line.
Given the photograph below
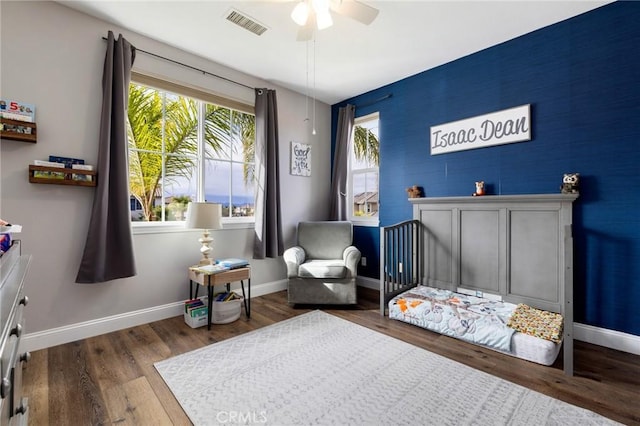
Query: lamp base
205, 261
205, 249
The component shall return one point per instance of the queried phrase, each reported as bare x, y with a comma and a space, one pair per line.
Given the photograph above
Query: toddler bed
516, 330
488, 270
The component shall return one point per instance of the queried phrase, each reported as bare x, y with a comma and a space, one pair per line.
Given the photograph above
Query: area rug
318, 369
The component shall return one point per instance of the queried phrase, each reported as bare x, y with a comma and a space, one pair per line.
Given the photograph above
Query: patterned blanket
473, 319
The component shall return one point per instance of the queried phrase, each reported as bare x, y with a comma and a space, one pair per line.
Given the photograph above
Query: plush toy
415, 192
570, 183
479, 188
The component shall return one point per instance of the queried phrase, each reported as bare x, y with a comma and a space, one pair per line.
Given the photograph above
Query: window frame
202, 95
370, 221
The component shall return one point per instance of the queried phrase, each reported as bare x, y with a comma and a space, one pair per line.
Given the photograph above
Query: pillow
535, 322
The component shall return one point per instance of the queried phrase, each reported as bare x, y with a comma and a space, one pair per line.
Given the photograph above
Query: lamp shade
204, 216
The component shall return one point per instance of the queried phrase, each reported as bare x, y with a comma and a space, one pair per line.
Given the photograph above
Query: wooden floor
110, 379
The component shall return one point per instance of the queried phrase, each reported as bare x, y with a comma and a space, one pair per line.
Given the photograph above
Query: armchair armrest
351, 257
293, 257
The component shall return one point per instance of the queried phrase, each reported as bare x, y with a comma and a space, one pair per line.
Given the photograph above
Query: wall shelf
7, 124
62, 176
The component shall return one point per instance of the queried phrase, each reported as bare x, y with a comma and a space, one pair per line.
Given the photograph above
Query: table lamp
204, 216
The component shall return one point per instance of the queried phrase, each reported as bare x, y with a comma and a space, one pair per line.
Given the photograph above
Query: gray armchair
323, 266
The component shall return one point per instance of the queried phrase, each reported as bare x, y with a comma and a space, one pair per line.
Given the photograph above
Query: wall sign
497, 128
300, 159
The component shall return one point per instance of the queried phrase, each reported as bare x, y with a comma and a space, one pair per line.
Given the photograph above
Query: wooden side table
218, 278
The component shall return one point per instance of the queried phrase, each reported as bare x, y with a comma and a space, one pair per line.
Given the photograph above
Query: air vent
245, 22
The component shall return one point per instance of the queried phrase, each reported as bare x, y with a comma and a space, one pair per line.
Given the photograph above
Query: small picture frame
300, 159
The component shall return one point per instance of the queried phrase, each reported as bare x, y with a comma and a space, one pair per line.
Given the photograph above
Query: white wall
52, 56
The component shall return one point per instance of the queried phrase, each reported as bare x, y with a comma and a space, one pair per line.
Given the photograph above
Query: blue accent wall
582, 79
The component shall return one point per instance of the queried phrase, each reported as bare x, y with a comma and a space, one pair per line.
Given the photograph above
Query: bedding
469, 318
543, 324
482, 321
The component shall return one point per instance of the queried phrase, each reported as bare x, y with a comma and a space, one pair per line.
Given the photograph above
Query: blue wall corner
582, 79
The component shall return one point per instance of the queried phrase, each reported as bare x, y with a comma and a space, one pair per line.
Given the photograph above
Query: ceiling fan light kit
303, 14
300, 13
323, 19
309, 12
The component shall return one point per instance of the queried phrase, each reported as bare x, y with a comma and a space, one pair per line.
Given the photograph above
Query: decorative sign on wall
497, 128
300, 159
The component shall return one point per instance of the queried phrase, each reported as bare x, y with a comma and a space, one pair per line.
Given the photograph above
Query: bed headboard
516, 246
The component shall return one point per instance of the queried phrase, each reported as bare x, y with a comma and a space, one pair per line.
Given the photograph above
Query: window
364, 161
183, 148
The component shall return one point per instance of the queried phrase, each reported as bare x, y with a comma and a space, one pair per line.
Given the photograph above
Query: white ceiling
350, 58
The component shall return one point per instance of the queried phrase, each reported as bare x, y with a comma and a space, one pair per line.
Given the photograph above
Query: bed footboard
401, 261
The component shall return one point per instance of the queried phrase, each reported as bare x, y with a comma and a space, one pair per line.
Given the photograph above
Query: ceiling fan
312, 14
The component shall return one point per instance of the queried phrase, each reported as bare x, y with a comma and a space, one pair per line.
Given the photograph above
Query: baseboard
70, 333
83, 330
372, 283
608, 338
585, 333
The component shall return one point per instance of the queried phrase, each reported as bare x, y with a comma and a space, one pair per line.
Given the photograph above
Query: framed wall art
300, 159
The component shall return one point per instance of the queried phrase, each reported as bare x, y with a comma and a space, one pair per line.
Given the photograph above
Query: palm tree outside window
183, 149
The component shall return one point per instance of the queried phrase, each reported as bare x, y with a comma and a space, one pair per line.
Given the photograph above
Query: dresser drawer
9, 357
13, 269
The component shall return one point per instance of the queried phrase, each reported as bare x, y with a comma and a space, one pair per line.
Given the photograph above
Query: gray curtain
268, 230
108, 250
341, 163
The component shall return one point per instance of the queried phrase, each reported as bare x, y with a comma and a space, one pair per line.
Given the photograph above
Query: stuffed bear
570, 183
415, 191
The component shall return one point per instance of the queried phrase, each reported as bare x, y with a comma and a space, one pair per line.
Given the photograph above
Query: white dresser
13, 268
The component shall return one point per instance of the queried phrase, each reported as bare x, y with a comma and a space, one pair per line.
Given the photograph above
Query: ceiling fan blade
355, 10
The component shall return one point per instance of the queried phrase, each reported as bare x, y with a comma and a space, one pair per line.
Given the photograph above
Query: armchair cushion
323, 269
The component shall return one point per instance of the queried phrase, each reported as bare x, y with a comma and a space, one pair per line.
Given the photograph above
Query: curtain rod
190, 67
375, 101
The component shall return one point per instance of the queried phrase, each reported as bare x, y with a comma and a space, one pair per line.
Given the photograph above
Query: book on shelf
14, 110
79, 176
45, 174
48, 164
48, 175
67, 161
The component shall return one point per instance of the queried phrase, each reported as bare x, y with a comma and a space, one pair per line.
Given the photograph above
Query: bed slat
401, 262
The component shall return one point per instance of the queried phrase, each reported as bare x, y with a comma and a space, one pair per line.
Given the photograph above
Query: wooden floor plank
148, 348
74, 397
144, 344
134, 403
165, 396
35, 378
65, 387
108, 350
